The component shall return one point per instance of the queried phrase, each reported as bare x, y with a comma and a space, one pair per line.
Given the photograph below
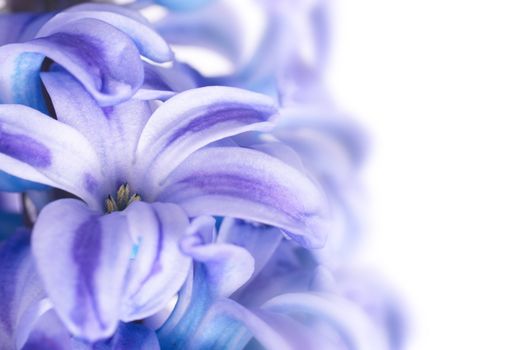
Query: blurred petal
250, 185
259, 240
227, 267
83, 264
215, 27
149, 43
20, 288
159, 268
352, 324
178, 5
290, 269
101, 57
195, 118
19, 27
9, 183
112, 131
38, 148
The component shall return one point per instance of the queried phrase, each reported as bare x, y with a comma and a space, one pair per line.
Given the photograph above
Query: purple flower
141, 174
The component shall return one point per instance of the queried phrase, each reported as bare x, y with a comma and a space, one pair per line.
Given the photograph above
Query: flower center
124, 198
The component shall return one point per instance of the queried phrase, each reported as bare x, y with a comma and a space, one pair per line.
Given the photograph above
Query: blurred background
439, 87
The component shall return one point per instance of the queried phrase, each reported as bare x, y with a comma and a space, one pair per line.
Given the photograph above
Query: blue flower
141, 174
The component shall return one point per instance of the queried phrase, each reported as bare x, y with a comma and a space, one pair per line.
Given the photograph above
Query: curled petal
159, 268
38, 148
83, 264
259, 240
149, 43
250, 185
193, 119
227, 267
100, 56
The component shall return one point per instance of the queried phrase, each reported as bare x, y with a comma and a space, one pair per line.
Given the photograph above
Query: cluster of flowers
146, 205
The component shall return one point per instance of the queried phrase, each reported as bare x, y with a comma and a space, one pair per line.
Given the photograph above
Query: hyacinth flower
140, 174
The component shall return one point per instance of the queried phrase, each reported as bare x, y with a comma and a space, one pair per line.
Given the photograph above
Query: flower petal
215, 27
20, 287
193, 119
129, 336
184, 5
38, 148
259, 240
228, 325
48, 333
149, 43
96, 53
159, 268
250, 185
83, 264
19, 27
9, 183
351, 322
113, 131
227, 267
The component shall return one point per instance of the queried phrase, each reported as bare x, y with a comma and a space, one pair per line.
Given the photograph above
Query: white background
439, 85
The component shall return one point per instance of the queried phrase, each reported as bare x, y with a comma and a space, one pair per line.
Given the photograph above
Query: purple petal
149, 43
83, 263
193, 119
20, 288
113, 131
48, 333
162, 83
250, 185
19, 27
159, 268
40, 149
227, 267
101, 57
259, 240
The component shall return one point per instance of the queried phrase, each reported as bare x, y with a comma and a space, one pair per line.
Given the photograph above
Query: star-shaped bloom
140, 175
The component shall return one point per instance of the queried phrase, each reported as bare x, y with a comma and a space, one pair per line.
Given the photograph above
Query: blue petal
9, 183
